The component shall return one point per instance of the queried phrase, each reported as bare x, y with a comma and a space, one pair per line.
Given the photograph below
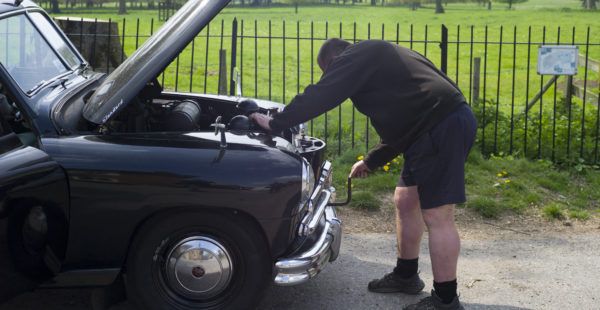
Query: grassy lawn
495, 186
290, 66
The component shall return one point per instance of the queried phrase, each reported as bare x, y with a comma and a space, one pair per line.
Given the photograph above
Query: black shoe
434, 302
393, 283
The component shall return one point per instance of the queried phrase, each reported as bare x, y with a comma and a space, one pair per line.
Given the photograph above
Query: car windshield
26, 54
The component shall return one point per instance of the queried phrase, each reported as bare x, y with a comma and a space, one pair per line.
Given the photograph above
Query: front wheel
198, 261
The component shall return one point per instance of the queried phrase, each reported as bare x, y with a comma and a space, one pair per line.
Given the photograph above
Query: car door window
14, 130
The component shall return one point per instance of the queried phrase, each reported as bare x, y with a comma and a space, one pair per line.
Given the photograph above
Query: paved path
559, 272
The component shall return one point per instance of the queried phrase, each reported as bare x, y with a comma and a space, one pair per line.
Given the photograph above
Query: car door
33, 211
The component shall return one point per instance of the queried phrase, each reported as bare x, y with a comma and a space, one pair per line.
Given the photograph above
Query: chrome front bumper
303, 266
322, 232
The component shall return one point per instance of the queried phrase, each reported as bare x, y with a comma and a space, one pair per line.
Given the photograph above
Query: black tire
28, 257
151, 281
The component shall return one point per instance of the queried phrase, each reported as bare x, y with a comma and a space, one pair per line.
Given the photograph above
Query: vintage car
106, 177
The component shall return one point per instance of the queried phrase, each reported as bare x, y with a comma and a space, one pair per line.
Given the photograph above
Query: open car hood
146, 63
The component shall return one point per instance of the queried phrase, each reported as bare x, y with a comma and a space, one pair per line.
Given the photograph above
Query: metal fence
519, 111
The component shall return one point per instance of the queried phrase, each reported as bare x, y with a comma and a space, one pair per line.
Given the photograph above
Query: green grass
366, 201
284, 74
532, 185
497, 185
553, 211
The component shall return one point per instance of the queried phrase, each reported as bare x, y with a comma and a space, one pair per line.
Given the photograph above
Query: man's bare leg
409, 222
409, 230
444, 242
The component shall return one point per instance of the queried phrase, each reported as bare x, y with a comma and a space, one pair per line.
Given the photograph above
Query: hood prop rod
334, 204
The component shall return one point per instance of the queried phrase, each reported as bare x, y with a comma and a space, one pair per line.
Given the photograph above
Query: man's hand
359, 170
261, 119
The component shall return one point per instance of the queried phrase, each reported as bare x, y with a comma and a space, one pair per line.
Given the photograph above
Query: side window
14, 132
8, 139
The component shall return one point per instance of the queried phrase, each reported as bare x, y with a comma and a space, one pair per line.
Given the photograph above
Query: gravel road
559, 271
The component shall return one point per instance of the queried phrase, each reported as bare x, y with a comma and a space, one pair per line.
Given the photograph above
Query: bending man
420, 113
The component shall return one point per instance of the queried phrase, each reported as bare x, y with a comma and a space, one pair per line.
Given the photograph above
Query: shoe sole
397, 290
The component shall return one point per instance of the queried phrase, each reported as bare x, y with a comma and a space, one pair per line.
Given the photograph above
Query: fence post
233, 55
222, 72
444, 47
569, 90
475, 79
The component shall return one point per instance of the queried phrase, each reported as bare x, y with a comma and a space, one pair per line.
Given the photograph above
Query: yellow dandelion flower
386, 168
395, 160
360, 157
499, 174
507, 181
504, 172
352, 186
388, 164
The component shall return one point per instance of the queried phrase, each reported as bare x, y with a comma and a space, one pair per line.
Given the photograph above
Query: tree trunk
510, 4
296, 7
373, 2
55, 8
490, 5
122, 7
439, 9
590, 4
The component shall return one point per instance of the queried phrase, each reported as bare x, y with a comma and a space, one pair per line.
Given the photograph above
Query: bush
365, 201
553, 211
485, 206
561, 127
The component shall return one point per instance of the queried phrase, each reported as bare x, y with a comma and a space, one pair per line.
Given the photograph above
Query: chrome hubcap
199, 268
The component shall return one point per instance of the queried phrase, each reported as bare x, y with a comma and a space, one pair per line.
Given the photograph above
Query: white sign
557, 60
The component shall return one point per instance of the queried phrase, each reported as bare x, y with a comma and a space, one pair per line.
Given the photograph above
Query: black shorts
435, 162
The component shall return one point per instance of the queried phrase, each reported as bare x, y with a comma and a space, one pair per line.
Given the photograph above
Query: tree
296, 3
414, 4
438, 7
589, 4
122, 7
510, 2
55, 8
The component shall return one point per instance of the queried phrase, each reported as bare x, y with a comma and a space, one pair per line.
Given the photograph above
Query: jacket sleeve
381, 154
345, 75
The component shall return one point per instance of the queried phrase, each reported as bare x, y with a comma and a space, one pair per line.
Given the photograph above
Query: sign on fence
557, 60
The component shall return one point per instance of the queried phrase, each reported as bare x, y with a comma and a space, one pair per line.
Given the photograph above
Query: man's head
331, 49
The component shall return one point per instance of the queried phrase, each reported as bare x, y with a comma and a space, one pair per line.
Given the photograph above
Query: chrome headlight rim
308, 183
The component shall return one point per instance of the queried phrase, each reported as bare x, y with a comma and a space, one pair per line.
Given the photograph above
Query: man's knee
406, 199
439, 216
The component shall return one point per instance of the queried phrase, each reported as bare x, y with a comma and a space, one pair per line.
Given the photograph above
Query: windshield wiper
45, 83
84, 66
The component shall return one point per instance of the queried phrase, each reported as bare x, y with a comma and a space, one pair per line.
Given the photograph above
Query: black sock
445, 290
406, 268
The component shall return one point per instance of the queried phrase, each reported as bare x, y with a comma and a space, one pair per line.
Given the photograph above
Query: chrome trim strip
308, 223
322, 203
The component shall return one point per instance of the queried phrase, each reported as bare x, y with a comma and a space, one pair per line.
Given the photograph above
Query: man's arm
381, 154
343, 77
378, 156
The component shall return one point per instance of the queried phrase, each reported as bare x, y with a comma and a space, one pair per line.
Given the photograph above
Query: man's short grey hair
331, 48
